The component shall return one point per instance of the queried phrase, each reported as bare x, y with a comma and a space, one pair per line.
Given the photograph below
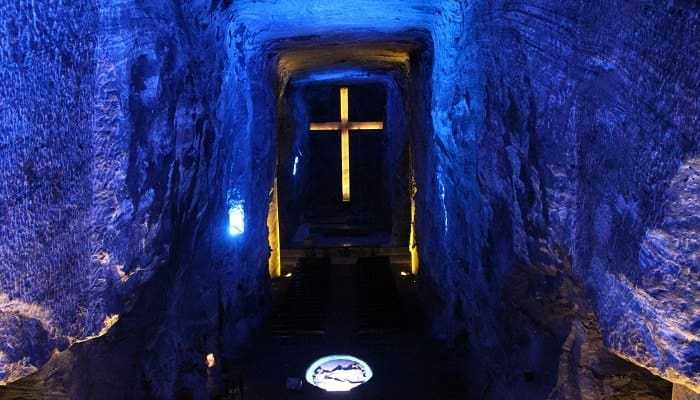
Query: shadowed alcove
366, 210
312, 209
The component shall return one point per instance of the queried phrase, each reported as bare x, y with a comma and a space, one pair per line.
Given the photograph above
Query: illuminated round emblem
338, 373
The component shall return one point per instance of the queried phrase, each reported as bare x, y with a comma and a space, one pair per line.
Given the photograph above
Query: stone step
345, 255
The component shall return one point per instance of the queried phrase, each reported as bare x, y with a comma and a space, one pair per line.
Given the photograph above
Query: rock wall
186, 136
123, 143
555, 150
47, 288
558, 129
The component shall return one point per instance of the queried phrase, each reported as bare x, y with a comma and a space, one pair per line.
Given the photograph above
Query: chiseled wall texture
557, 180
48, 287
117, 168
565, 136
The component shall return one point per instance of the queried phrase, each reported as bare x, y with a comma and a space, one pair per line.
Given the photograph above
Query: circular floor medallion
338, 373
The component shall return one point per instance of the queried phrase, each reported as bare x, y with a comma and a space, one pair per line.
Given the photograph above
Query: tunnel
460, 199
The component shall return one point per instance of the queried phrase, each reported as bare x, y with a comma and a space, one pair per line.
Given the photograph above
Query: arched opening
322, 205
309, 188
347, 267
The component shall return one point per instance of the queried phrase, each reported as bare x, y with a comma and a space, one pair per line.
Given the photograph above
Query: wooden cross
345, 126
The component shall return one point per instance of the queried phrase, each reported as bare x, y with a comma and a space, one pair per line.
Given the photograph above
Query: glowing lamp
296, 162
338, 373
210, 360
236, 219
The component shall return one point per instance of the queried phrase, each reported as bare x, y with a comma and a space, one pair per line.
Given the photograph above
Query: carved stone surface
555, 146
587, 370
114, 158
557, 130
46, 98
681, 392
659, 325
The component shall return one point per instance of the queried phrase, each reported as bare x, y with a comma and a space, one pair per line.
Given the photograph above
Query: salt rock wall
47, 286
558, 130
556, 166
117, 175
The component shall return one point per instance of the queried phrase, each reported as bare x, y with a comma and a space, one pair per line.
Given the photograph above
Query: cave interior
515, 213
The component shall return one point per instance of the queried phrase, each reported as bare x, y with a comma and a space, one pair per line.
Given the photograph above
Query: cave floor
389, 335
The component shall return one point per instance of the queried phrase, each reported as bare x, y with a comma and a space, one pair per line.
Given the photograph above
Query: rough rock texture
665, 287
553, 152
554, 144
27, 344
681, 392
116, 172
46, 98
587, 370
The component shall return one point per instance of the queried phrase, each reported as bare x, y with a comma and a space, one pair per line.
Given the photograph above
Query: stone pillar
681, 392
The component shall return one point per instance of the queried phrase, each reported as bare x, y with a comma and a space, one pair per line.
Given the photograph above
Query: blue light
337, 75
441, 186
270, 20
294, 170
236, 219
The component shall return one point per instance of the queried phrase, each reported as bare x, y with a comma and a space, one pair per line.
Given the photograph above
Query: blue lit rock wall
556, 152
178, 120
558, 131
122, 146
47, 286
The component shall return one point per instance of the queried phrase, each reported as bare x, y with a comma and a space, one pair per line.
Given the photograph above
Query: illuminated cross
345, 126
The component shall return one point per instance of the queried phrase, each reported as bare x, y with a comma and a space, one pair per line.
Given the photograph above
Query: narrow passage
368, 310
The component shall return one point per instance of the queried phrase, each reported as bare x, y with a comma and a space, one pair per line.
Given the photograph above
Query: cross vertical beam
345, 143
345, 126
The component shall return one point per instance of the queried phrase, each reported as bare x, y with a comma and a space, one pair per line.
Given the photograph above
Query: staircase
378, 309
361, 293
303, 309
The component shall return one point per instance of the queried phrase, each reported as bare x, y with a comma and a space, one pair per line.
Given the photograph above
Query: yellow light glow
345, 162
210, 360
412, 243
354, 126
345, 126
344, 114
274, 263
107, 324
294, 60
325, 126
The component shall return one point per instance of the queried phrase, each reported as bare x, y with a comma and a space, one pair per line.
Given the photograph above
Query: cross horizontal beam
351, 126
345, 126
